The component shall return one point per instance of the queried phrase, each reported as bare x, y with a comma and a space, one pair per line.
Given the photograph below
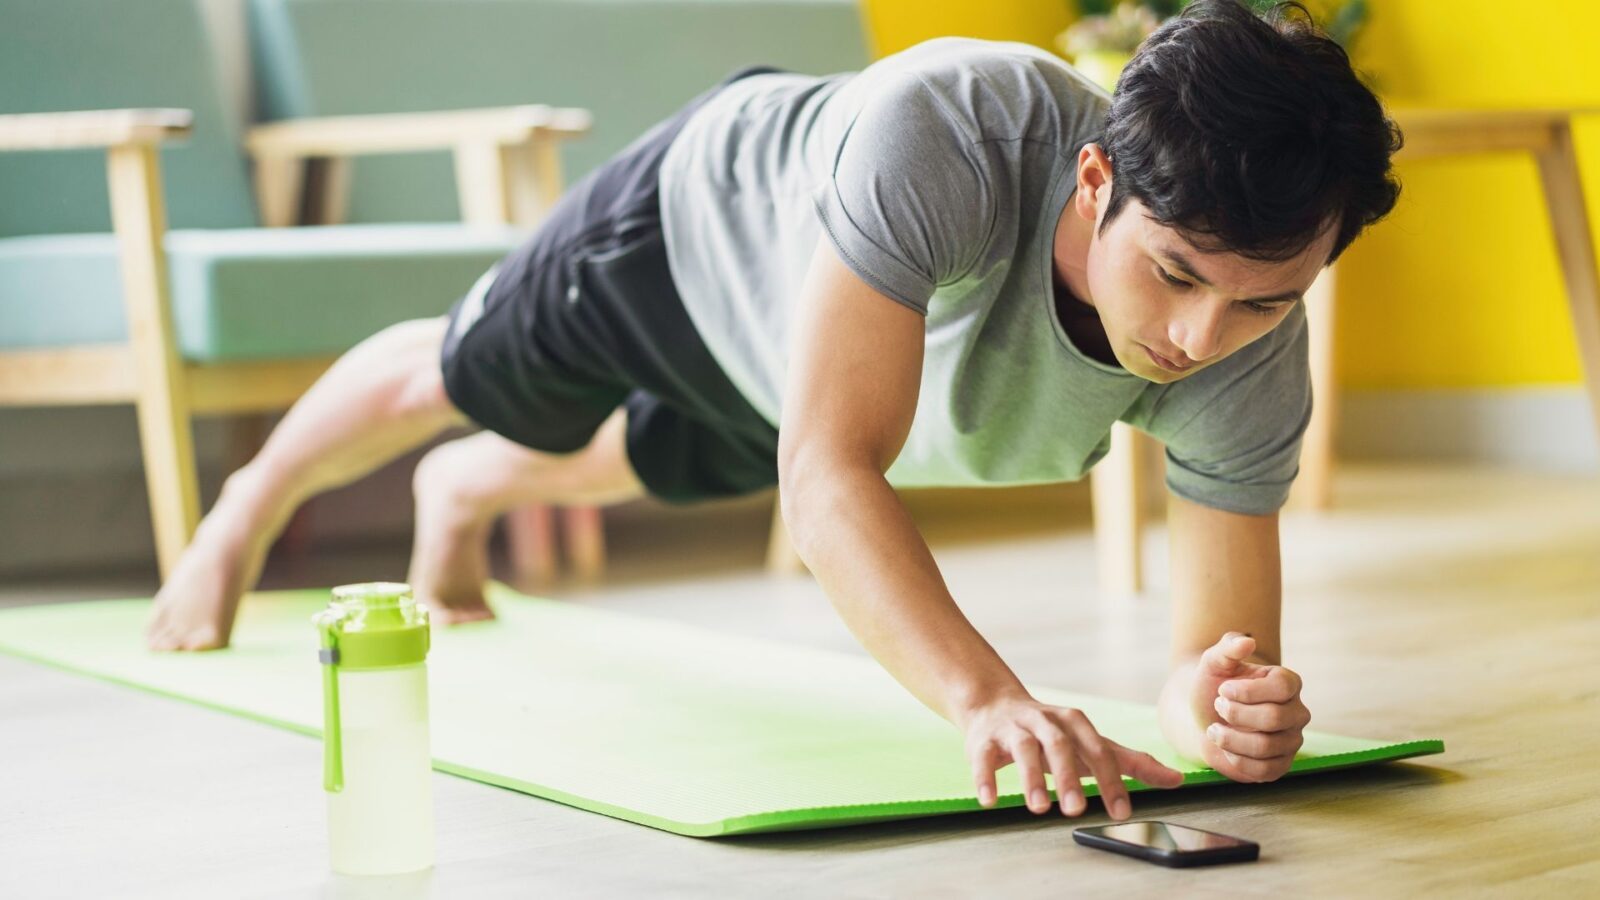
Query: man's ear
1094, 182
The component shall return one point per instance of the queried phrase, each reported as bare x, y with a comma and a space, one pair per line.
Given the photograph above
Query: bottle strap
332, 752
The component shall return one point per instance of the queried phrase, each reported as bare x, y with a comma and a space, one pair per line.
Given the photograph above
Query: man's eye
1170, 280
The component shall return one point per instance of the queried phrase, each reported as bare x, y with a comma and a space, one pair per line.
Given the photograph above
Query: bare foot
194, 610
450, 553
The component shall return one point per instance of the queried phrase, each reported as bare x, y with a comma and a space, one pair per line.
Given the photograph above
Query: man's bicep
910, 197
855, 366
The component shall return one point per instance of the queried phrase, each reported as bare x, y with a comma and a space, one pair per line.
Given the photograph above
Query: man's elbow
797, 498
813, 490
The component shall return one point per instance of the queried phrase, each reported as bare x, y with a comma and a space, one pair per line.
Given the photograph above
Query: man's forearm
855, 535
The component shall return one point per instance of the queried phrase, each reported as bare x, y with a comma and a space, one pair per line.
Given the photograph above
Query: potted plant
1108, 32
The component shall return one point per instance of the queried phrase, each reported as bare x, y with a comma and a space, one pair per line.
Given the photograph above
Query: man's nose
1199, 334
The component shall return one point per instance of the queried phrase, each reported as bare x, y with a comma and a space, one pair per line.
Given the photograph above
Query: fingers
1227, 655
1275, 685
1147, 768
1263, 724
1067, 736
1062, 742
1262, 716
1248, 769
1097, 753
985, 760
1059, 752
1255, 744
1025, 750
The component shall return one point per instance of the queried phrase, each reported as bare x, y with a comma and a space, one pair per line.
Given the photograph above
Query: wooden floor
1462, 604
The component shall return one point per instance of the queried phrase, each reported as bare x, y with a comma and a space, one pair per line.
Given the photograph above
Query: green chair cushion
248, 293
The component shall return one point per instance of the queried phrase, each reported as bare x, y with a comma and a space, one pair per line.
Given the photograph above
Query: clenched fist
1251, 713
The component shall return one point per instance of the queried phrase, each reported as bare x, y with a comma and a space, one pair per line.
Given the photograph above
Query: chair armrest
340, 136
93, 128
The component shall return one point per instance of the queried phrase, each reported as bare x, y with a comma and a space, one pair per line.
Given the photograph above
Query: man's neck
1081, 321
1082, 324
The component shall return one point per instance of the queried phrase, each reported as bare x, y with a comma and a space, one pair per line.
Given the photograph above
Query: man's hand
1040, 737
1251, 713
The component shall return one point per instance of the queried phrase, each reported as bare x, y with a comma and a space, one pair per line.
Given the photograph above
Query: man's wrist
1175, 713
973, 699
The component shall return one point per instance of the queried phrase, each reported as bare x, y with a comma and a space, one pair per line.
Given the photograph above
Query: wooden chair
504, 163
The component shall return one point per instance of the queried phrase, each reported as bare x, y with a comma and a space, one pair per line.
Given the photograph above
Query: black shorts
584, 318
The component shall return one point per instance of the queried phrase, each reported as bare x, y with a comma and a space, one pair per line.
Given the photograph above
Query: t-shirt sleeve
1234, 441
908, 203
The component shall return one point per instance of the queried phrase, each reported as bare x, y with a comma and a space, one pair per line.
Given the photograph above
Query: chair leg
584, 537
1313, 489
530, 543
165, 437
1117, 491
781, 558
167, 446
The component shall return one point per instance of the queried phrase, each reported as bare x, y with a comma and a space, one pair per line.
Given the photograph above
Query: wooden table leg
1313, 489
584, 537
531, 544
1116, 486
1563, 198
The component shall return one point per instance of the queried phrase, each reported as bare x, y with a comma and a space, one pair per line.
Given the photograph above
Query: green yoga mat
668, 725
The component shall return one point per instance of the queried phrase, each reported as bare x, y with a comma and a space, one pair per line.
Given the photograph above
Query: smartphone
1167, 844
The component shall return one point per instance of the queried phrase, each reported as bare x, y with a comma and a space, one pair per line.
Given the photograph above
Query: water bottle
376, 764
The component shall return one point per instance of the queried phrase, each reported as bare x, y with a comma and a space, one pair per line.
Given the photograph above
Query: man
959, 266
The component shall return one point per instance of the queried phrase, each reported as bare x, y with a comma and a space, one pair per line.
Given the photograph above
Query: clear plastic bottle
376, 762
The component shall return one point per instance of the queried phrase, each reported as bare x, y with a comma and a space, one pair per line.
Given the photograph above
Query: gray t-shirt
939, 173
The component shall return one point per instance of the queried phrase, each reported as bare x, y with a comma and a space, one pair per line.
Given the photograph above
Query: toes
205, 638
167, 640
460, 615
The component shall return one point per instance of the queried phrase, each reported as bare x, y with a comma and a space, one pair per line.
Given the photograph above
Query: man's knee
485, 464
437, 465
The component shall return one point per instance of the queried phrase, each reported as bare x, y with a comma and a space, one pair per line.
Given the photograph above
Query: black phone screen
1167, 843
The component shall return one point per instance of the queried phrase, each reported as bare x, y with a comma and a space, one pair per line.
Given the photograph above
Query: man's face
1159, 296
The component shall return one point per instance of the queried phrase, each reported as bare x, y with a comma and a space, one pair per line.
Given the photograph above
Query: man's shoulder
1010, 67
969, 54
1005, 89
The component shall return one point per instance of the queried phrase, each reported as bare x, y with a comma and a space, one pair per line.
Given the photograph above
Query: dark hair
1251, 129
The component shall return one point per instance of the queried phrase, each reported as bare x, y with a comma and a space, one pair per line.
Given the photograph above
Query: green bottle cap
376, 626
366, 627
